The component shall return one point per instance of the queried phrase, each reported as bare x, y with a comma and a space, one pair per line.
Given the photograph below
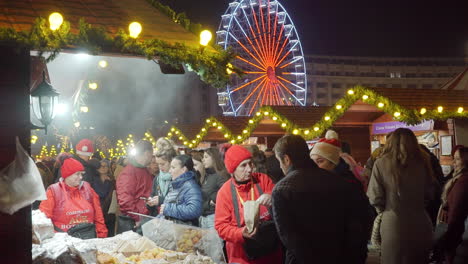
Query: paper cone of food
251, 214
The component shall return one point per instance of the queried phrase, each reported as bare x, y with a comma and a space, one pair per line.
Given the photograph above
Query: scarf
448, 187
164, 180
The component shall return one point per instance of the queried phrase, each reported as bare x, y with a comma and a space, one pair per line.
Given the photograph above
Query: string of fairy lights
399, 113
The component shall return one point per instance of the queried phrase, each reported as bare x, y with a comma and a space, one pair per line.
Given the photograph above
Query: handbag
83, 231
125, 223
266, 239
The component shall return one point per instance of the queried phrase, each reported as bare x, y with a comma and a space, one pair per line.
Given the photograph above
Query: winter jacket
406, 229
209, 188
134, 182
457, 213
184, 200
72, 206
226, 223
320, 217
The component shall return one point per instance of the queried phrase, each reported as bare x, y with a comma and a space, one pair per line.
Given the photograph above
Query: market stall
353, 117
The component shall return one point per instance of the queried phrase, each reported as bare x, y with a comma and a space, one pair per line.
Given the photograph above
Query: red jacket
133, 183
76, 205
226, 224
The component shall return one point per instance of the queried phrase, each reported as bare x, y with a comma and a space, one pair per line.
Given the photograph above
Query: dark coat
457, 213
91, 174
320, 216
273, 169
209, 188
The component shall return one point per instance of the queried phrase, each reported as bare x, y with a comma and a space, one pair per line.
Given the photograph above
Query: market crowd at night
236, 131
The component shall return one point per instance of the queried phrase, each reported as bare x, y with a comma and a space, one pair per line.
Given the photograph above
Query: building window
427, 86
379, 74
336, 85
410, 75
382, 85
335, 96
395, 75
350, 74
412, 86
322, 85
396, 85
321, 95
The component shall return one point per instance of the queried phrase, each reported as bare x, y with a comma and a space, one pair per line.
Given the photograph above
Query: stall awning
111, 15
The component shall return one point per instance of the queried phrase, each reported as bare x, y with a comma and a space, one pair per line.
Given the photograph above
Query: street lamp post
44, 102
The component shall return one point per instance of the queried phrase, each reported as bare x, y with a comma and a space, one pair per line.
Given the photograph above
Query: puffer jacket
184, 200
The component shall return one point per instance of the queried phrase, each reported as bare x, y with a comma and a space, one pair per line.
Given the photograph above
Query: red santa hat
329, 149
71, 166
85, 148
234, 156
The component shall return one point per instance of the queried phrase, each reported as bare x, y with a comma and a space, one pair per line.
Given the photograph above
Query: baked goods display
185, 245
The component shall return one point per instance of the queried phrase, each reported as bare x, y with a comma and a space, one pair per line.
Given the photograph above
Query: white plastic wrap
184, 238
20, 183
42, 226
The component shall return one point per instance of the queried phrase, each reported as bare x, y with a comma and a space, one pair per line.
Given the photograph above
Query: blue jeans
207, 221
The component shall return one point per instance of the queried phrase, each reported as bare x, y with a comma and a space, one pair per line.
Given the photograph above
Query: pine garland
399, 113
210, 65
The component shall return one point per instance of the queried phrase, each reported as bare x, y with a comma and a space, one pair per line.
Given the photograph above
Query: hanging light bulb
316, 129
135, 29
350, 92
295, 131
205, 37
423, 111
460, 110
440, 109
365, 97
380, 105
55, 20
339, 107
396, 114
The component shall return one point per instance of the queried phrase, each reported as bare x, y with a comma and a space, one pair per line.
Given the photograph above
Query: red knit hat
329, 149
234, 156
70, 166
85, 148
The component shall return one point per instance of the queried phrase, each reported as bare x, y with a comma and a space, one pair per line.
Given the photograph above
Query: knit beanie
70, 166
85, 147
329, 149
234, 156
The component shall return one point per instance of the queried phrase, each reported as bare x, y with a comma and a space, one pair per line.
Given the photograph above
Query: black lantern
44, 102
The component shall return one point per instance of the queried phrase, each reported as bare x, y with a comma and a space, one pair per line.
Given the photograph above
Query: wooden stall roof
112, 15
312, 121
303, 116
459, 82
428, 98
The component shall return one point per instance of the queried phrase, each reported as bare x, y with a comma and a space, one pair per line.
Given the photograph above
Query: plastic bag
251, 215
20, 183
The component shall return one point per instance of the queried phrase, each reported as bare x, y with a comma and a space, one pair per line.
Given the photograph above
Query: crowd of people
316, 205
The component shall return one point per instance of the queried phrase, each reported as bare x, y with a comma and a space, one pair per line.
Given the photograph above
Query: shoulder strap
260, 191
235, 203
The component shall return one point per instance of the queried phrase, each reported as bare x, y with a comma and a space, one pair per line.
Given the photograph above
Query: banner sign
387, 127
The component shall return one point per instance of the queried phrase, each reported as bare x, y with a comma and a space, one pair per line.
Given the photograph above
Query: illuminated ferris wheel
269, 52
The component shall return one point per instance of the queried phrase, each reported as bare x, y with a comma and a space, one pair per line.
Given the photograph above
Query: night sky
408, 28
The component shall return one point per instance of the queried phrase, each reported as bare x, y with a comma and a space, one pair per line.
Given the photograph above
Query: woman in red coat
72, 201
247, 186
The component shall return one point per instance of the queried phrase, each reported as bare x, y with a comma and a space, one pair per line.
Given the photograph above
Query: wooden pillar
15, 230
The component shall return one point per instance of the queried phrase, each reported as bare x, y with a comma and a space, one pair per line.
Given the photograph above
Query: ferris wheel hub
271, 74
